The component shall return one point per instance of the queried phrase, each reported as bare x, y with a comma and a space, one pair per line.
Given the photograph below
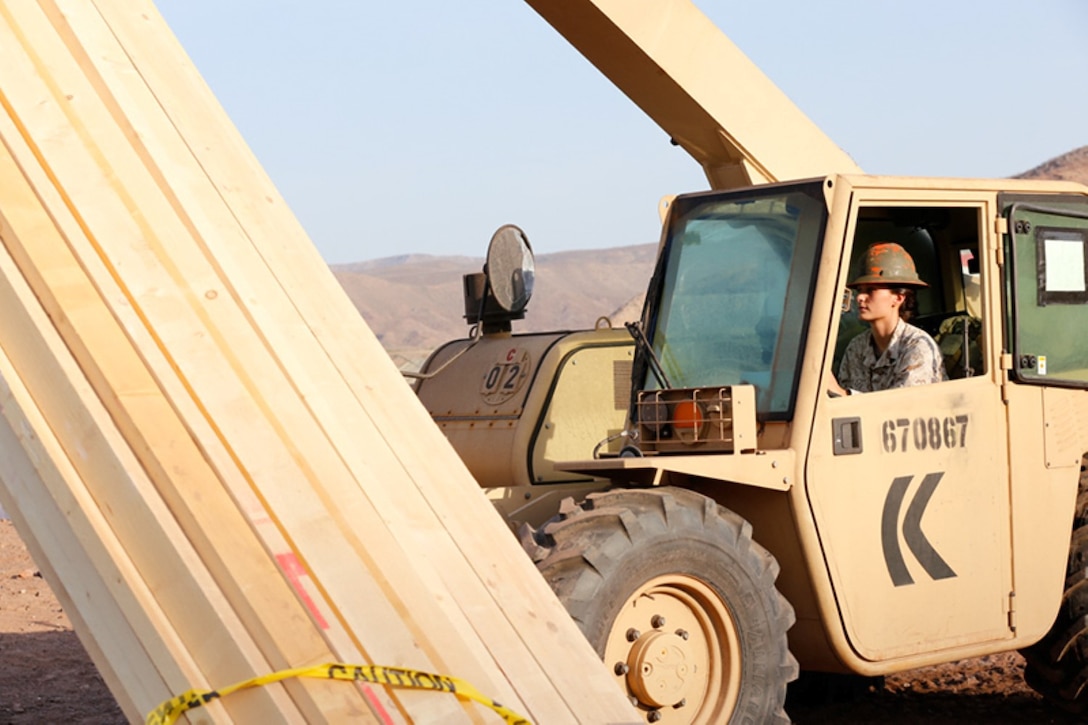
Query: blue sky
420, 126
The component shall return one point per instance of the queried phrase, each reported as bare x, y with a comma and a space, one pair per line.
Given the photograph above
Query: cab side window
1048, 250
944, 244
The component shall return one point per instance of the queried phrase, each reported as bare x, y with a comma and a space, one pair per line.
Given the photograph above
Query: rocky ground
46, 676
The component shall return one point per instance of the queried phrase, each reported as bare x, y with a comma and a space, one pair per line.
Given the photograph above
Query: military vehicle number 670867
925, 433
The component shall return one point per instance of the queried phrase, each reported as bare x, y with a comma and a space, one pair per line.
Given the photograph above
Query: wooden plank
189, 596
340, 503
229, 360
86, 556
104, 629
360, 362
227, 538
209, 369
484, 621
348, 579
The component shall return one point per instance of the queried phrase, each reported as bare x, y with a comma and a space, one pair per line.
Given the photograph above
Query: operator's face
877, 303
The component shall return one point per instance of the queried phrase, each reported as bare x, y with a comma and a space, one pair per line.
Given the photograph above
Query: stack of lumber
209, 455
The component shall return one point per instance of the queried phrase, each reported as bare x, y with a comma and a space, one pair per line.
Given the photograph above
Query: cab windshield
730, 297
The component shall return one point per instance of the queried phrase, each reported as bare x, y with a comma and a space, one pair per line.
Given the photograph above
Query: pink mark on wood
377, 707
292, 568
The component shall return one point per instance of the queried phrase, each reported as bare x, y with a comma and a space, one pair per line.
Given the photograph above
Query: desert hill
413, 302
1072, 166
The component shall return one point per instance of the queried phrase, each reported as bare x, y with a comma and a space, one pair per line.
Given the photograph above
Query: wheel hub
674, 649
661, 672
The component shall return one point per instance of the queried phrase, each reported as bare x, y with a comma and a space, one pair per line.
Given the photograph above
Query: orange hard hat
887, 263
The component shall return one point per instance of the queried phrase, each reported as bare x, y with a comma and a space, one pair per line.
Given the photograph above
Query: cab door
909, 487
1046, 265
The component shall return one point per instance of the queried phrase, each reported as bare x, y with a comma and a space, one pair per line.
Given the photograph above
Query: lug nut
633, 700
682, 633
657, 622
653, 716
633, 634
621, 668
680, 704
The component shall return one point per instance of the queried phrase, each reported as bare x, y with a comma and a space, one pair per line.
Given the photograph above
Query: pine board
241, 480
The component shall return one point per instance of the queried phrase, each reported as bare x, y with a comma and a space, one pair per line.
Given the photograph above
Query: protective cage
720, 419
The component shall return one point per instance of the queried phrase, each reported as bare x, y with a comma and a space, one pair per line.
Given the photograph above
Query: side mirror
499, 294
510, 268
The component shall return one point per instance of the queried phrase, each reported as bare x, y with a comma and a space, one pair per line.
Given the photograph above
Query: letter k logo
917, 542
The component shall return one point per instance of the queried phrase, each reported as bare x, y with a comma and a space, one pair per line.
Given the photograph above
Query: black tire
672, 592
1057, 665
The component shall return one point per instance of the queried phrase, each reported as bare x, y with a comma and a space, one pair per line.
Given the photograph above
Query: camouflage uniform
912, 358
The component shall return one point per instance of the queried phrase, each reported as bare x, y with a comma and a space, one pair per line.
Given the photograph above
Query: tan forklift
905, 527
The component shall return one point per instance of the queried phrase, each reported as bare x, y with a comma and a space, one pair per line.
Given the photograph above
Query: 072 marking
498, 373
903, 434
505, 377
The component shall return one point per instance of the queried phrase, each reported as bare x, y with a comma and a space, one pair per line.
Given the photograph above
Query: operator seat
961, 333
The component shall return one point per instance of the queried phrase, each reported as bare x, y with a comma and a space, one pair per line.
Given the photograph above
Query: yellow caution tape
169, 711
